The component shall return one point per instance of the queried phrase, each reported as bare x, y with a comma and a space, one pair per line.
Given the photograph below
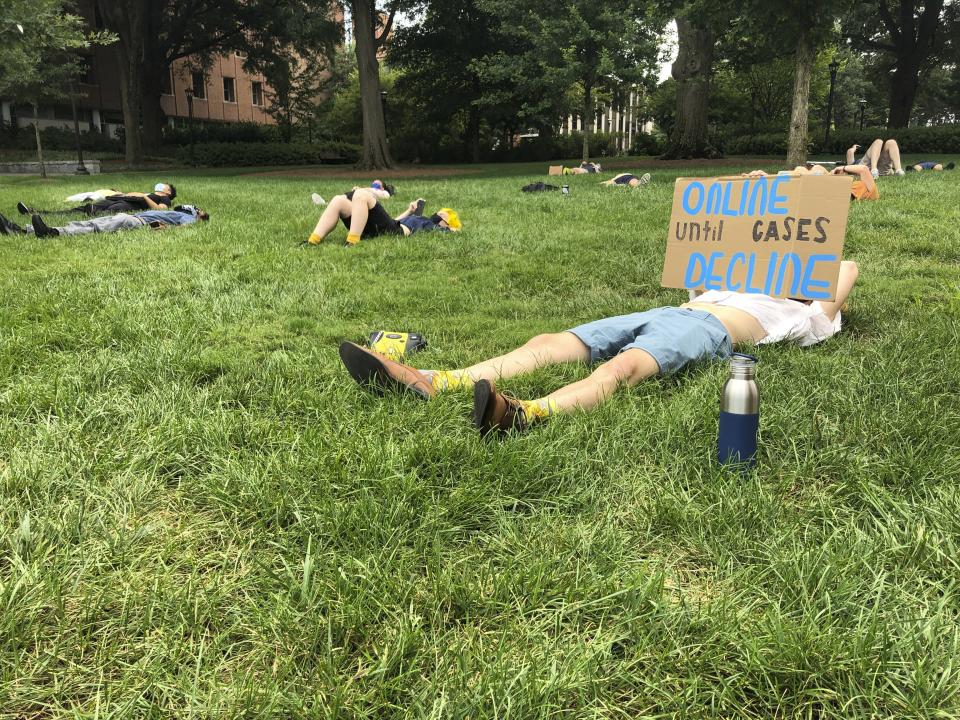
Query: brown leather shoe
494, 411
379, 372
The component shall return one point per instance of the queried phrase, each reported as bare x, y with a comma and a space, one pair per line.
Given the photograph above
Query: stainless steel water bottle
739, 412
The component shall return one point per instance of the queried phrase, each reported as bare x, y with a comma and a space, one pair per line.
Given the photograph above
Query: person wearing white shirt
631, 348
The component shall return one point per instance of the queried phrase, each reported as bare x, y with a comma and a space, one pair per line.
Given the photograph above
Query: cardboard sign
779, 235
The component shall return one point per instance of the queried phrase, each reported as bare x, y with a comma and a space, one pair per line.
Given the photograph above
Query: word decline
773, 235
702, 271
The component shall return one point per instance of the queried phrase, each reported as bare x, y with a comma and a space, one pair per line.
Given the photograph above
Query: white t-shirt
782, 319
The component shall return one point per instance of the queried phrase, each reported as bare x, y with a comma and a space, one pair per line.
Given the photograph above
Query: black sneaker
8, 227
418, 210
949, 166
41, 229
23, 209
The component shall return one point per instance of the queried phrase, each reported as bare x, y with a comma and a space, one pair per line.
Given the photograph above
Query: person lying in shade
630, 348
863, 188
156, 219
160, 199
628, 179
928, 165
364, 218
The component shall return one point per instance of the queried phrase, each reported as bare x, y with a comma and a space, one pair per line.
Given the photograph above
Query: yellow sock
353, 239
314, 239
539, 409
444, 380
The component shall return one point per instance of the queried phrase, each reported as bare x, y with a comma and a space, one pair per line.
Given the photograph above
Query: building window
229, 91
257, 88
166, 83
199, 85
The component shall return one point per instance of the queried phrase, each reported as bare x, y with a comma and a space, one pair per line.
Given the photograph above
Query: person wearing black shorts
364, 217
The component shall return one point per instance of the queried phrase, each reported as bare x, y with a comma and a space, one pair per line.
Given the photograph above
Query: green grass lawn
202, 515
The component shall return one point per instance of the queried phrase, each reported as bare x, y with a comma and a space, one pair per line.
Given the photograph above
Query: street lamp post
863, 110
189, 94
81, 168
834, 67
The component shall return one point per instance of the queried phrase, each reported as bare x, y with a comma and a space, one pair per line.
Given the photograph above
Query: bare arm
848, 277
862, 172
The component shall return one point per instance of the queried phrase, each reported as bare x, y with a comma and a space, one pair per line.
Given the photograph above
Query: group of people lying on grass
110, 211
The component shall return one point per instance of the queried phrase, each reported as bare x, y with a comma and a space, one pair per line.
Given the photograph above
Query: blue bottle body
737, 439
739, 413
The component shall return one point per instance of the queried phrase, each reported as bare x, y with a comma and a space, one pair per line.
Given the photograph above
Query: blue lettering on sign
739, 257
714, 199
712, 281
811, 288
695, 259
759, 189
687, 206
794, 259
773, 208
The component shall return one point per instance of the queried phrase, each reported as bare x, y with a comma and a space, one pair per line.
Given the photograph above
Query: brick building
223, 93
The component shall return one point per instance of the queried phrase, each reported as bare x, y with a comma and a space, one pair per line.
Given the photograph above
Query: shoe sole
482, 399
367, 369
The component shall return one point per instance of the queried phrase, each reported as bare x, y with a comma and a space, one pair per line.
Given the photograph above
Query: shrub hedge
934, 139
55, 138
237, 154
246, 132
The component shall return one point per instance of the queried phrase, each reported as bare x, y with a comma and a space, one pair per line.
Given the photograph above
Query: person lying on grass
365, 217
585, 168
628, 179
156, 219
882, 157
631, 348
934, 165
381, 189
160, 199
863, 188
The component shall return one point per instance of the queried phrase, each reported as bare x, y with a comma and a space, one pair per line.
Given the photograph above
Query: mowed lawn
203, 516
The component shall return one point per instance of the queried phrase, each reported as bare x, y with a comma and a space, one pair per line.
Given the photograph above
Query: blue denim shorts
673, 336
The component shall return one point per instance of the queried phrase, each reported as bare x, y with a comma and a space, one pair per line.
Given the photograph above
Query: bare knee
627, 368
891, 143
544, 341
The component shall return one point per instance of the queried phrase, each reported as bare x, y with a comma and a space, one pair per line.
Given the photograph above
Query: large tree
692, 71
444, 43
595, 47
153, 34
40, 52
371, 32
912, 37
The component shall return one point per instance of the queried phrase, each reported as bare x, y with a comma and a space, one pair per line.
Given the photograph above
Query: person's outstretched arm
861, 171
848, 278
409, 211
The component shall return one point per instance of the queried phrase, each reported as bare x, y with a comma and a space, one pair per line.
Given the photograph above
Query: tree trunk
691, 70
799, 132
36, 130
129, 21
904, 83
151, 112
587, 121
376, 154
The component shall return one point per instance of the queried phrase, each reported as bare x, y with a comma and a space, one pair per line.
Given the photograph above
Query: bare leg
851, 154
873, 153
627, 368
363, 202
893, 150
339, 207
539, 351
